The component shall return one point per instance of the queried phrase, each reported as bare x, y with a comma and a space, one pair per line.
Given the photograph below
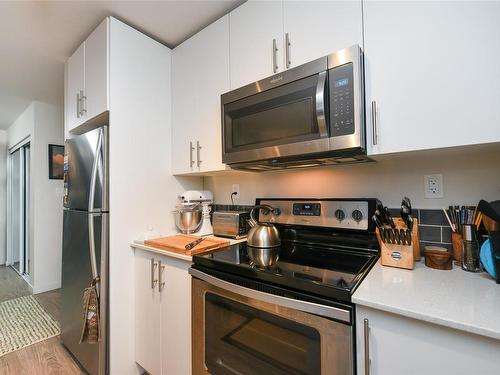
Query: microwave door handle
320, 105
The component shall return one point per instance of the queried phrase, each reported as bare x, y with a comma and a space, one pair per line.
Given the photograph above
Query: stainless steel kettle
262, 235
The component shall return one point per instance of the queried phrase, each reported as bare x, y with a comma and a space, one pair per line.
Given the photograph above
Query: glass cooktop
332, 272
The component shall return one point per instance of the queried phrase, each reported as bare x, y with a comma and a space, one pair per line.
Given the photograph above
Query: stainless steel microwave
310, 115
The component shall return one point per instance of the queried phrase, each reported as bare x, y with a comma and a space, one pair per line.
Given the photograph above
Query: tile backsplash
433, 226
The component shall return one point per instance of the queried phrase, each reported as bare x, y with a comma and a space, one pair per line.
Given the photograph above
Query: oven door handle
320, 105
308, 307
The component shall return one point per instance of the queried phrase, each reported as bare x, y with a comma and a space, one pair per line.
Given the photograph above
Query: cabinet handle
374, 122
153, 267
367, 346
198, 148
161, 283
275, 57
83, 99
287, 51
191, 149
78, 112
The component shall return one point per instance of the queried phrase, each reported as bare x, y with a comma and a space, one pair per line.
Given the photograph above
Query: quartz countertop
188, 258
456, 298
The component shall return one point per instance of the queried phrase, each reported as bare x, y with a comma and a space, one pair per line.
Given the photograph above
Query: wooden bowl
438, 258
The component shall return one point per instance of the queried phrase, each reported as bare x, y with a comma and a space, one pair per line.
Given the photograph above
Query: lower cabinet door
399, 345
176, 317
147, 313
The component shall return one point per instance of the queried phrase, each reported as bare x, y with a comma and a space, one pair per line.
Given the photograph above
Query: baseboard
46, 287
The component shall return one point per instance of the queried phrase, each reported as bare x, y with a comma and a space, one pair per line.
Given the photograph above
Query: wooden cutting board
178, 242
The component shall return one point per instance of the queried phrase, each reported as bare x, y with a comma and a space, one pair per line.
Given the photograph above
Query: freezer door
86, 171
76, 276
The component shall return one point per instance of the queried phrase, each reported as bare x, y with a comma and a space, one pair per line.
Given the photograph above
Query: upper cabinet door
96, 71
200, 74
255, 28
317, 28
432, 72
75, 83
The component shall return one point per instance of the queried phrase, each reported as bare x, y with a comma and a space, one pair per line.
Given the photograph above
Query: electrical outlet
433, 186
236, 189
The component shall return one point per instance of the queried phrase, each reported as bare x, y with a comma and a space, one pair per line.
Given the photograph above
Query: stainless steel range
294, 316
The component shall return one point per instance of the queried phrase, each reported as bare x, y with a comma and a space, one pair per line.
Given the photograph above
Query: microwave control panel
341, 100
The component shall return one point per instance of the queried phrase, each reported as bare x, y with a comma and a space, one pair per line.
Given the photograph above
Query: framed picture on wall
56, 162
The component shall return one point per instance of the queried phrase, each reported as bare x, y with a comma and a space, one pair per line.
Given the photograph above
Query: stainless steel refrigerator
85, 243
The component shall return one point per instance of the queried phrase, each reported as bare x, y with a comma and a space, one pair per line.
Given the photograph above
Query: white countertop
188, 258
456, 298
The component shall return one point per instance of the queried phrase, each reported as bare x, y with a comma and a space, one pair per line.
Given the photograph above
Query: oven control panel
341, 213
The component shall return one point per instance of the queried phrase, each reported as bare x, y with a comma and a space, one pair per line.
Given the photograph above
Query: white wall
48, 200
142, 190
43, 123
22, 128
469, 173
3, 195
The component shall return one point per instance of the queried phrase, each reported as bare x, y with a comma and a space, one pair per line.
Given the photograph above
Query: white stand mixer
205, 198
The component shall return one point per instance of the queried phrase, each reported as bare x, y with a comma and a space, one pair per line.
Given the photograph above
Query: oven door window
285, 114
240, 339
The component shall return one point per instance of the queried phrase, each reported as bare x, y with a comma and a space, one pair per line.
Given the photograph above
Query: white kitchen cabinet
87, 79
317, 28
162, 314
96, 71
253, 28
401, 345
147, 312
75, 83
200, 74
432, 72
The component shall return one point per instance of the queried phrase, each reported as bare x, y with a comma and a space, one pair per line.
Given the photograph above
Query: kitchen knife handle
366, 325
374, 123
190, 245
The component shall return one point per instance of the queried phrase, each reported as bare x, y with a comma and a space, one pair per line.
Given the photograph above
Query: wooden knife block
400, 256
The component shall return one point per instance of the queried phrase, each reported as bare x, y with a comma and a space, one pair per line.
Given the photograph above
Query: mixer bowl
188, 219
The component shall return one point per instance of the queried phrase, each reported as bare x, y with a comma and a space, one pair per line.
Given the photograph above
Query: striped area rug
23, 322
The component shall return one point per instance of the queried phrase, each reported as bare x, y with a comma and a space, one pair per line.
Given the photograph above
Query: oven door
260, 122
237, 330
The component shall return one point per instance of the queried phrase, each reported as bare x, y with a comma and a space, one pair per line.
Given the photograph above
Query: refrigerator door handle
93, 180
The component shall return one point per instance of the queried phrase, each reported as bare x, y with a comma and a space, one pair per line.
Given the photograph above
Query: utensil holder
400, 256
456, 240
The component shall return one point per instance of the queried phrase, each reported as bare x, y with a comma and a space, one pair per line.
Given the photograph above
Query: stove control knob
357, 215
277, 211
340, 214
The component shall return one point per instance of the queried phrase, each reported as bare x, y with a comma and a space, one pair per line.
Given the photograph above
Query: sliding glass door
18, 208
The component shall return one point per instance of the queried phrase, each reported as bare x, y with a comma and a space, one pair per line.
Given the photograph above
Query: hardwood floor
48, 357
12, 285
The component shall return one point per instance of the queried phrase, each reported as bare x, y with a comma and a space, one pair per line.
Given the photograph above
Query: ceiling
37, 37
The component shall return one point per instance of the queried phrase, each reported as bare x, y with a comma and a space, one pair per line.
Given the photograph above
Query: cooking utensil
402, 236
190, 245
188, 218
377, 221
262, 235
178, 242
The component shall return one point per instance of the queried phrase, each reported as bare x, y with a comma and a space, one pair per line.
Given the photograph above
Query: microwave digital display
342, 82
